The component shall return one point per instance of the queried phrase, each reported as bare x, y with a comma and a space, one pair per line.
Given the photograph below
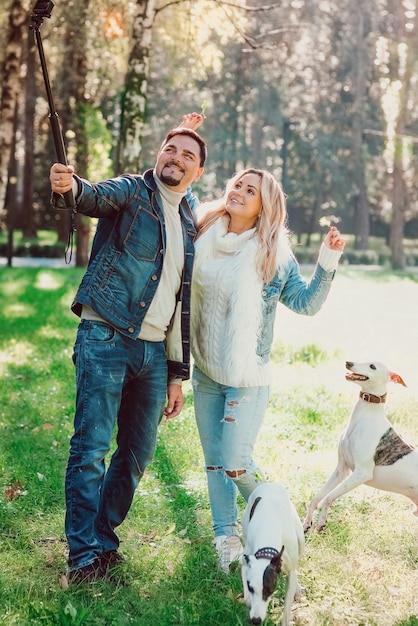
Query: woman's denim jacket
297, 294
127, 256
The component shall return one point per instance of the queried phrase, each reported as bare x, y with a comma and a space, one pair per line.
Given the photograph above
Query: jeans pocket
92, 332
99, 331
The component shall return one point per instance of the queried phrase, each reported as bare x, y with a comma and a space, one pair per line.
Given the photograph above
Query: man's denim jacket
127, 258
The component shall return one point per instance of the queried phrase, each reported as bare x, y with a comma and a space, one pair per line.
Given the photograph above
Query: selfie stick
42, 9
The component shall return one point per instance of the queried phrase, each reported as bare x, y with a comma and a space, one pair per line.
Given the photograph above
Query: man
132, 346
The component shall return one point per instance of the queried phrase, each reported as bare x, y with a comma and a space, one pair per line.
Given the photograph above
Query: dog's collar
266, 553
369, 397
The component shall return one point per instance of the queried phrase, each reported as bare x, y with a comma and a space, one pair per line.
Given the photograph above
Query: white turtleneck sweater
160, 312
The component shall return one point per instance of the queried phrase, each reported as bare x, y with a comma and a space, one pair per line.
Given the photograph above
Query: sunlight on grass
16, 353
48, 280
19, 310
13, 287
66, 301
50, 332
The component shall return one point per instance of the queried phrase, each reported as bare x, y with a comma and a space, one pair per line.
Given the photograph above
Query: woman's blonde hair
271, 222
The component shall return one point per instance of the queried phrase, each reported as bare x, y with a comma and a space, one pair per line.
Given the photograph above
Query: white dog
274, 541
370, 451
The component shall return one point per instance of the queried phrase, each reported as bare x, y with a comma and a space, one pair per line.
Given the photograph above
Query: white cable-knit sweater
226, 307
227, 304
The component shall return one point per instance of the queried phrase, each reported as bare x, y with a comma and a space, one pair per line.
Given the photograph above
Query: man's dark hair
190, 133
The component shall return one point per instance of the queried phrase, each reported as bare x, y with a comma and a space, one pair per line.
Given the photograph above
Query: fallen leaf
14, 491
63, 582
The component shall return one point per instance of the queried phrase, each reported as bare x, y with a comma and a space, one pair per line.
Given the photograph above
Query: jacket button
154, 277
131, 330
142, 304
264, 292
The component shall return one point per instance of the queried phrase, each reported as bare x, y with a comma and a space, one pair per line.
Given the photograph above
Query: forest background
323, 93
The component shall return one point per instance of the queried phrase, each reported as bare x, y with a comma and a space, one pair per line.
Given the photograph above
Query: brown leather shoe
110, 559
88, 574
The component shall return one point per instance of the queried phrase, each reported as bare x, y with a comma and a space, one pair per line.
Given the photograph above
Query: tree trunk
134, 98
11, 195
11, 88
83, 226
362, 215
27, 221
398, 219
404, 72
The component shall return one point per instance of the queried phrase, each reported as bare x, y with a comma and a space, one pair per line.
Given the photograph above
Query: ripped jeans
228, 420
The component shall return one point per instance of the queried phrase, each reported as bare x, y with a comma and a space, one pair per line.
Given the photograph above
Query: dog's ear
276, 561
271, 573
395, 378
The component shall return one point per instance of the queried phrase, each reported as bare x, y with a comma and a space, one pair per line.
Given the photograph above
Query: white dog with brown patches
370, 451
274, 541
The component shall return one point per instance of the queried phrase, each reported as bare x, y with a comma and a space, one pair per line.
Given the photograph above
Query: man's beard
169, 180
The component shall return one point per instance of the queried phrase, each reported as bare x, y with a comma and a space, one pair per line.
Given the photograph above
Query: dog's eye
372, 366
250, 589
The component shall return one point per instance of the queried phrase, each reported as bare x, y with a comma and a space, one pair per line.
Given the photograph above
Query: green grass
361, 571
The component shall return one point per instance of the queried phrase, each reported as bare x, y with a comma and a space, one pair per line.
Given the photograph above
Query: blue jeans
118, 379
228, 420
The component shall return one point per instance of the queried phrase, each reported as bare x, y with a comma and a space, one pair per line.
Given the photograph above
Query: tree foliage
323, 94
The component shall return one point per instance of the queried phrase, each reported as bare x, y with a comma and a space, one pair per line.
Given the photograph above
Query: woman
243, 267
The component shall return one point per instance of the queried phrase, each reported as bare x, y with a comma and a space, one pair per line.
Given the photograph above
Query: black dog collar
266, 553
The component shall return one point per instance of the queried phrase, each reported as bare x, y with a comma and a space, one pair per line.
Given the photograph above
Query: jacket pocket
143, 236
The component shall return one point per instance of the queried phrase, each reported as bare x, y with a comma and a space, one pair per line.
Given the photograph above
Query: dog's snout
349, 364
256, 620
